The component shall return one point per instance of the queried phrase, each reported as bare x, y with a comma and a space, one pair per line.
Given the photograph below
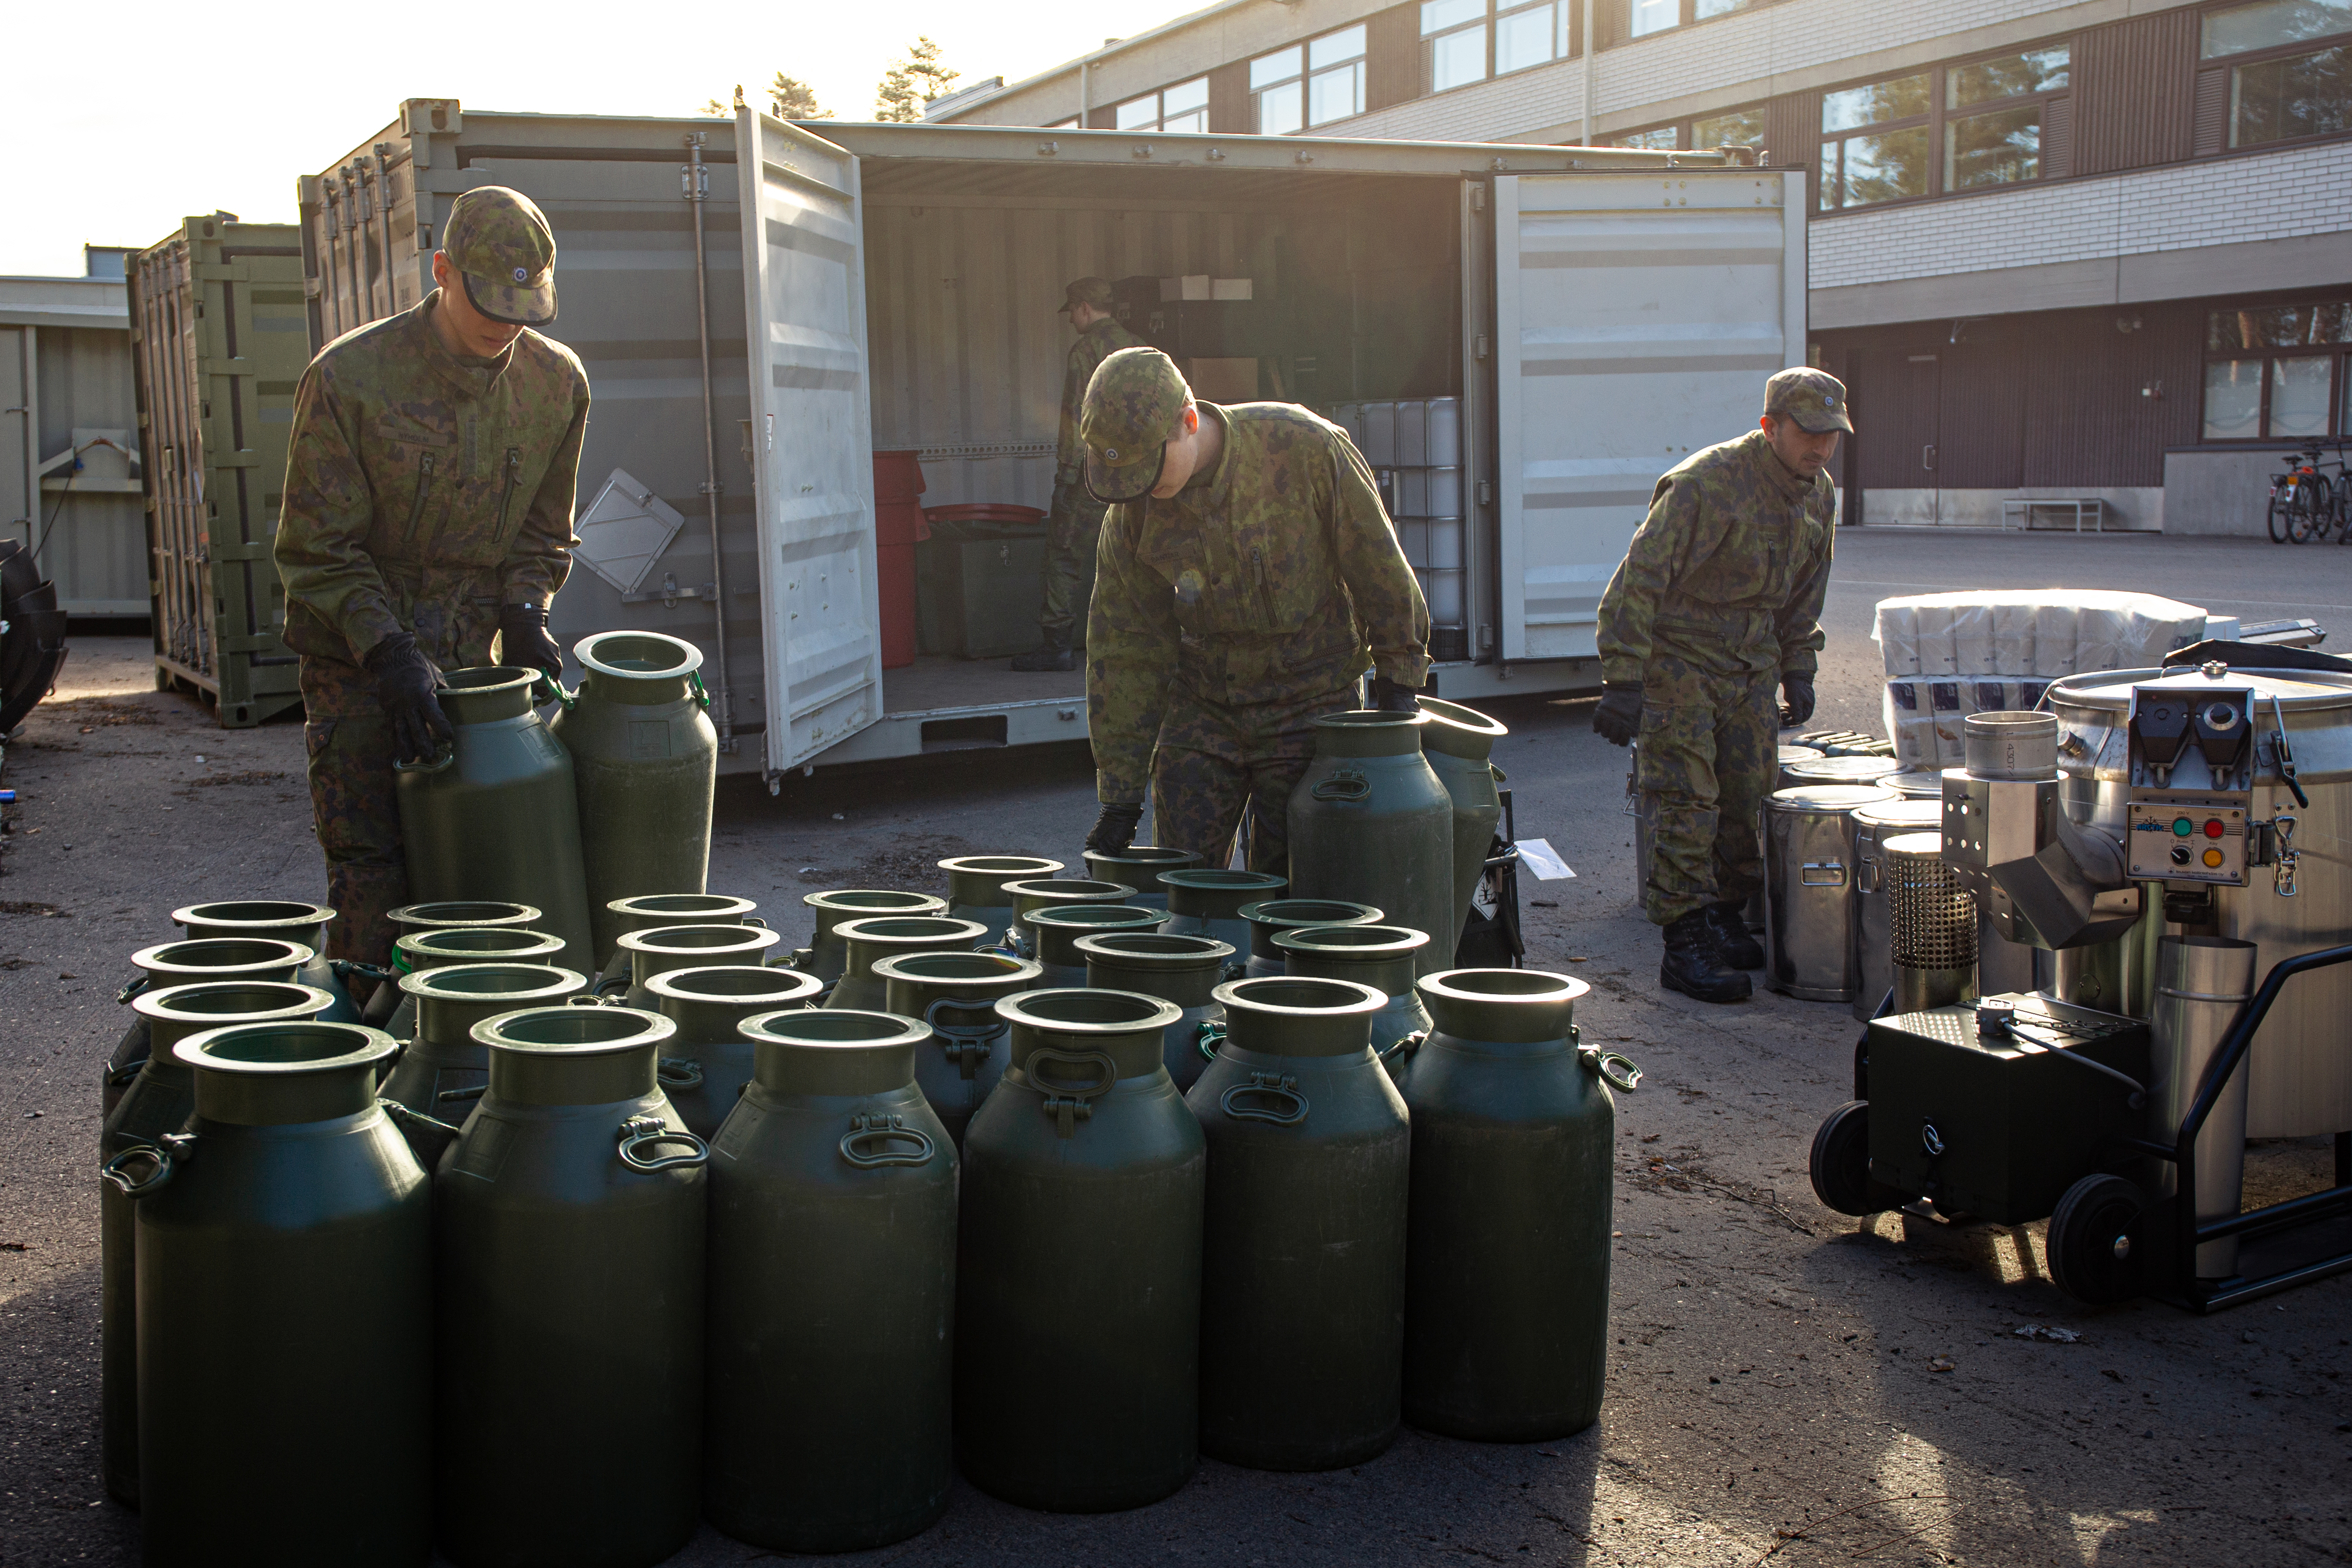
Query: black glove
1115, 828
523, 640
404, 682
1387, 696
1799, 690
1618, 720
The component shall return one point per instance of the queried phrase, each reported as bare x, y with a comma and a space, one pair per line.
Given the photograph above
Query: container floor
940, 680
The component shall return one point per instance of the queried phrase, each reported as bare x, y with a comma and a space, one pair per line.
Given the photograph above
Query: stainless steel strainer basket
1933, 920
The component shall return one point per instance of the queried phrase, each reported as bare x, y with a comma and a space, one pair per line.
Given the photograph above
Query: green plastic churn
955, 993
1371, 823
707, 1063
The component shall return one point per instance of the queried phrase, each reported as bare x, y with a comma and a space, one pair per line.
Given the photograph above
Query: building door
1898, 410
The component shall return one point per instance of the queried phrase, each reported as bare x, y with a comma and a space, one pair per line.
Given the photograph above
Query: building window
1454, 35
1740, 128
1528, 36
1660, 139
1181, 108
1993, 116
1646, 17
1306, 84
1874, 143
2276, 371
2288, 89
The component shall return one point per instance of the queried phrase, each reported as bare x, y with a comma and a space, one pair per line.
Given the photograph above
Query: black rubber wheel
2095, 1245
1840, 1165
2278, 522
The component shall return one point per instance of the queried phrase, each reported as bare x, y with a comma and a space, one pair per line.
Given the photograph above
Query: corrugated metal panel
1392, 56
1895, 380
1792, 139
1980, 434
220, 336
2058, 139
2212, 114
1229, 100
93, 539
2132, 82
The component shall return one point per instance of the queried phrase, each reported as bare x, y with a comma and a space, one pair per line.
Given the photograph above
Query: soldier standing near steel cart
1248, 577
1074, 523
428, 509
1718, 601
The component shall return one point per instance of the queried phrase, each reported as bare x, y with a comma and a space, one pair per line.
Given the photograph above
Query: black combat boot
1694, 964
1056, 653
1737, 945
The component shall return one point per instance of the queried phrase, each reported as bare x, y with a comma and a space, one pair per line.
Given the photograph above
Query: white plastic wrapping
2037, 633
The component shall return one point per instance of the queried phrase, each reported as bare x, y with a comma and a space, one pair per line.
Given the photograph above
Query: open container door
812, 437
1637, 316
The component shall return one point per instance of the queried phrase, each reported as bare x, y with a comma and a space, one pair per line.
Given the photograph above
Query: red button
2212, 827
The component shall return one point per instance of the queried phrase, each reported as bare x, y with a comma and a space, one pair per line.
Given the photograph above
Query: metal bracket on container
669, 593
2283, 749
1822, 874
2282, 835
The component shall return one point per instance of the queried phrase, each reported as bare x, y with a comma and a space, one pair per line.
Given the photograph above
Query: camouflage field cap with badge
1134, 404
1814, 399
499, 240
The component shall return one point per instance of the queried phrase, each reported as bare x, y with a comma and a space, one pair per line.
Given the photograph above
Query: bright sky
143, 114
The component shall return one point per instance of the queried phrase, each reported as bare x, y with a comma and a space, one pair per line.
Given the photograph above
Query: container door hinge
1478, 348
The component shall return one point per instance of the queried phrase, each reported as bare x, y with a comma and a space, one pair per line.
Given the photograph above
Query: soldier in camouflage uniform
1074, 523
1718, 601
1247, 578
428, 509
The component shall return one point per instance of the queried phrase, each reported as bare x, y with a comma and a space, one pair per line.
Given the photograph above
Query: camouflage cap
1094, 291
1814, 399
500, 243
1135, 402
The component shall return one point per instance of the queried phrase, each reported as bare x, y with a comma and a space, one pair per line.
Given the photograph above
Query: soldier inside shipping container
1248, 577
428, 511
1074, 519
1718, 602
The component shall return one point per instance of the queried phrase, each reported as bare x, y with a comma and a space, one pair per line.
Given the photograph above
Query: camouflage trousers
353, 809
1072, 531
1214, 760
1710, 751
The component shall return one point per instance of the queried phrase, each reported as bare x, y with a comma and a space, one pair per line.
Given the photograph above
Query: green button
2181, 828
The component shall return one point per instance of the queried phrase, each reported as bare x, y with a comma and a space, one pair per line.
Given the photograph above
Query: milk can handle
547, 689
123, 1075
1403, 1049
679, 1072
1102, 1085
1274, 1086
701, 695
441, 760
1613, 1065
408, 1118
878, 1130
453, 1096
133, 988
113, 1172
639, 1131
1345, 788
1208, 1036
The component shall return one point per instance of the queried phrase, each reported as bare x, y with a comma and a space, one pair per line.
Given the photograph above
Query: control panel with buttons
2187, 841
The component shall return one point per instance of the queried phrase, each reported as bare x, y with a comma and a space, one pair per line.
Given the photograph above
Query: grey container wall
625, 276
65, 362
219, 340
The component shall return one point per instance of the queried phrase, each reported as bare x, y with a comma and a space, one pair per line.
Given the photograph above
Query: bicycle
2304, 503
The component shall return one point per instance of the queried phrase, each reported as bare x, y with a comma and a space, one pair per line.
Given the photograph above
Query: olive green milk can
707, 1063
285, 1310
828, 956
573, 1201
1139, 865
1056, 931
1302, 1264
976, 887
1271, 917
1371, 823
645, 761
288, 920
187, 963
832, 1253
1078, 1263
1034, 894
658, 909
444, 1070
880, 936
1507, 1286
495, 815
157, 1106
1381, 957
1457, 742
415, 919
1183, 970
439, 947
1204, 902
956, 995
662, 949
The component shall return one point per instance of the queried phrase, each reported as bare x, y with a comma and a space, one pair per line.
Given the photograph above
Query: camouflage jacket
1096, 344
1275, 577
1726, 571
422, 490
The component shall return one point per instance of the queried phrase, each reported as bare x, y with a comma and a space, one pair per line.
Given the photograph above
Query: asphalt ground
1787, 1385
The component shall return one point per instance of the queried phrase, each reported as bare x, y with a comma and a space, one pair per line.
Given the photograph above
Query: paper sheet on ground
1539, 857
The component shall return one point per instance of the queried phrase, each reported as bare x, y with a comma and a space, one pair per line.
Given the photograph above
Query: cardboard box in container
1222, 381
1191, 286
1228, 288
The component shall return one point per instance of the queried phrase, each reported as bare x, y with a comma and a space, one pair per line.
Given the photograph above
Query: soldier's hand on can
523, 640
1799, 690
1115, 828
1387, 696
404, 682
1618, 720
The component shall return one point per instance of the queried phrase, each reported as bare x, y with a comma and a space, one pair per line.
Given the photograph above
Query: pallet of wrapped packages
2028, 634
1923, 714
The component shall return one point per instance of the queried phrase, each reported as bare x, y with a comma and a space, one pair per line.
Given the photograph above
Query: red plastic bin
899, 527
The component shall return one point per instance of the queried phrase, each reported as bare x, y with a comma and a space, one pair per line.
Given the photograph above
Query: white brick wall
2225, 202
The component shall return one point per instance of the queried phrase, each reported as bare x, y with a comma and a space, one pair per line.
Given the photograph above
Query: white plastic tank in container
1444, 542
1412, 434
1349, 417
1413, 534
1412, 492
1445, 492
1379, 443
1445, 441
1443, 591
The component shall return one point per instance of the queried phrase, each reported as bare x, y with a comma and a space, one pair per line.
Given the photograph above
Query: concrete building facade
2089, 251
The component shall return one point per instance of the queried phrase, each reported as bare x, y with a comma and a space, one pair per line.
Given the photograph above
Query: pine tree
789, 98
911, 84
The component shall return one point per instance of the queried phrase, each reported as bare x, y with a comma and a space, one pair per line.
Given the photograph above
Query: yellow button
2213, 858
